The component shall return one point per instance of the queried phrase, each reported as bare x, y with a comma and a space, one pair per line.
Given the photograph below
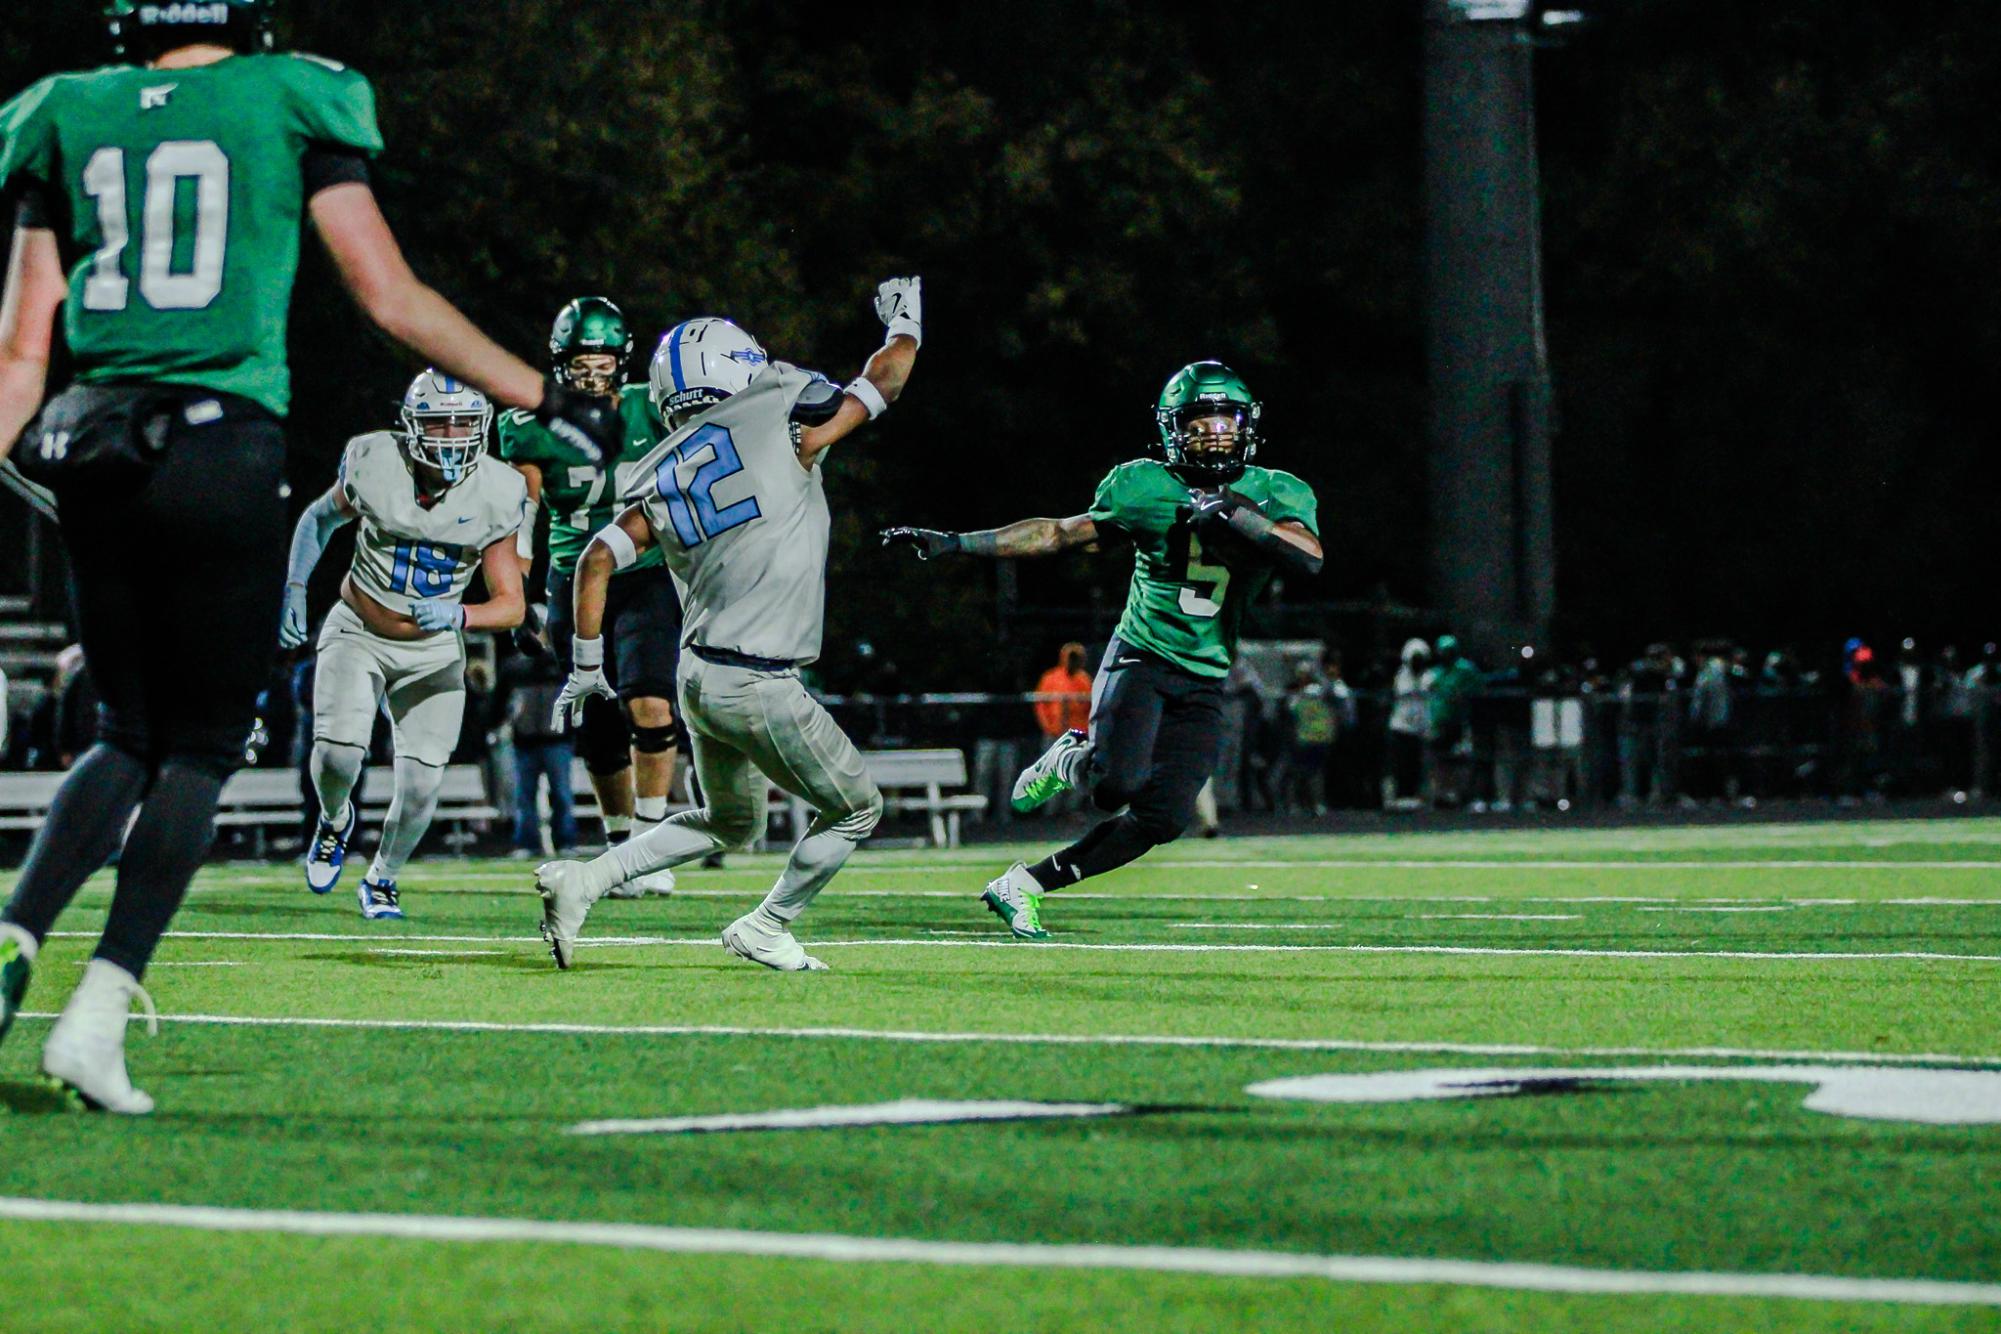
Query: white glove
292, 628
899, 304
586, 679
433, 616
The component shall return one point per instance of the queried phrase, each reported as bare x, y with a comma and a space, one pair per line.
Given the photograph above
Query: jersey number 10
693, 507
198, 281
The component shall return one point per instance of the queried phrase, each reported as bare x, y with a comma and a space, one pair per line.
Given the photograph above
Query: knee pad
653, 740
858, 825
603, 740
736, 834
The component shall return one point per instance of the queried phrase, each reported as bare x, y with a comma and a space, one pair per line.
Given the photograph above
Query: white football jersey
744, 526
406, 553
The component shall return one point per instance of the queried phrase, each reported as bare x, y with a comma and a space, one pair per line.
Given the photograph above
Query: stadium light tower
1493, 558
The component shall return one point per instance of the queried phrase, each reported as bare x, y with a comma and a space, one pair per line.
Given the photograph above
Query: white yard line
948, 1038
1135, 947
1015, 1255
1505, 916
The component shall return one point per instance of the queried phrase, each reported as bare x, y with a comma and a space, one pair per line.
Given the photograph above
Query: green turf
1724, 1176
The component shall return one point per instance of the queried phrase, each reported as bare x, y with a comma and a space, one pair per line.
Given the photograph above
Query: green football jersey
582, 497
180, 198
1183, 607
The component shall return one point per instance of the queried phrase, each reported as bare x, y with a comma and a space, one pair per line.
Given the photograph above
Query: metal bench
925, 775
264, 799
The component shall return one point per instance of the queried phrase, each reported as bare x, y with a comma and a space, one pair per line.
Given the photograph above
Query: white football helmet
435, 404
698, 364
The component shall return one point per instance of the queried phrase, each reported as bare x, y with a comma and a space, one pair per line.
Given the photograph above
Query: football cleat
379, 901
1052, 774
1016, 899
328, 852
16, 961
565, 904
85, 1053
760, 938
660, 883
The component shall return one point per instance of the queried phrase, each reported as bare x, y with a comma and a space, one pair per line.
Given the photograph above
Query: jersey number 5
174, 273
693, 507
1205, 585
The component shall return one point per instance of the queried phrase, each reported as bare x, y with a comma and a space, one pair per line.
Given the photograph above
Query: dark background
1770, 252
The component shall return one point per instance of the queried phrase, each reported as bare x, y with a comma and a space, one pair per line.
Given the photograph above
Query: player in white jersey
734, 496
429, 515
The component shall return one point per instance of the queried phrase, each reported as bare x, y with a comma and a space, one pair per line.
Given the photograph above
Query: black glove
584, 422
926, 542
1210, 510
528, 638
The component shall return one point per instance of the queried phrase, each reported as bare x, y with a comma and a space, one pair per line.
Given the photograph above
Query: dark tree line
1770, 256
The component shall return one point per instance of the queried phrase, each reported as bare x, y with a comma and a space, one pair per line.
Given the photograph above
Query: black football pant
642, 634
1156, 733
176, 590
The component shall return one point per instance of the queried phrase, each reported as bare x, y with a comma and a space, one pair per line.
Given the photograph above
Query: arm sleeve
33, 210
333, 105
517, 436
1106, 506
309, 539
1293, 501
27, 142
327, 167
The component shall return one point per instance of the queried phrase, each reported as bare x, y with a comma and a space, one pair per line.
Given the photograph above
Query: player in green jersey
1207, 529
156, 209
627, 745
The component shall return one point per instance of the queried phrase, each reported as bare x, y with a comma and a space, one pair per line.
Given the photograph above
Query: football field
1706, 1079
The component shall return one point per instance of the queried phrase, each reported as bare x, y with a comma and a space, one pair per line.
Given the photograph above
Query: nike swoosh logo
465, 518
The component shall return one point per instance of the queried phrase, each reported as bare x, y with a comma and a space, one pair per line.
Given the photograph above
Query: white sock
664, 845
815, 860
649, 810
20, 936
616, 827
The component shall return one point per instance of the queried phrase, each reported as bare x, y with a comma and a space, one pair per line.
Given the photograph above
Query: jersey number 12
197, 281
693, 507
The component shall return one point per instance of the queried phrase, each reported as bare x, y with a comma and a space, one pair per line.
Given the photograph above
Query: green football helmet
590, 326
143, 29
1203, 391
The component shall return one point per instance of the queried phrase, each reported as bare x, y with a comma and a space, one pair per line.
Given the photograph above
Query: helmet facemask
593, 373
1211, 440
450, 443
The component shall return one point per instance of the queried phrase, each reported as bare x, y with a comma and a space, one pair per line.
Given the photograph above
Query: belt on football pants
729, 657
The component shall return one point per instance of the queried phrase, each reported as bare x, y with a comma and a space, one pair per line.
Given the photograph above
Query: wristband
587, 654
863, 391
624, 554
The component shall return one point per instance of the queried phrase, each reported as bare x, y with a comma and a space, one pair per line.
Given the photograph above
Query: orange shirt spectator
1067, 677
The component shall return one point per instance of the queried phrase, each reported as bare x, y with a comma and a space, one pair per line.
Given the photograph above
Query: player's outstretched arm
1027, 537
505, 604
373, 269
35, 292
617, 545
309, 543
1288, 543
899, 303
